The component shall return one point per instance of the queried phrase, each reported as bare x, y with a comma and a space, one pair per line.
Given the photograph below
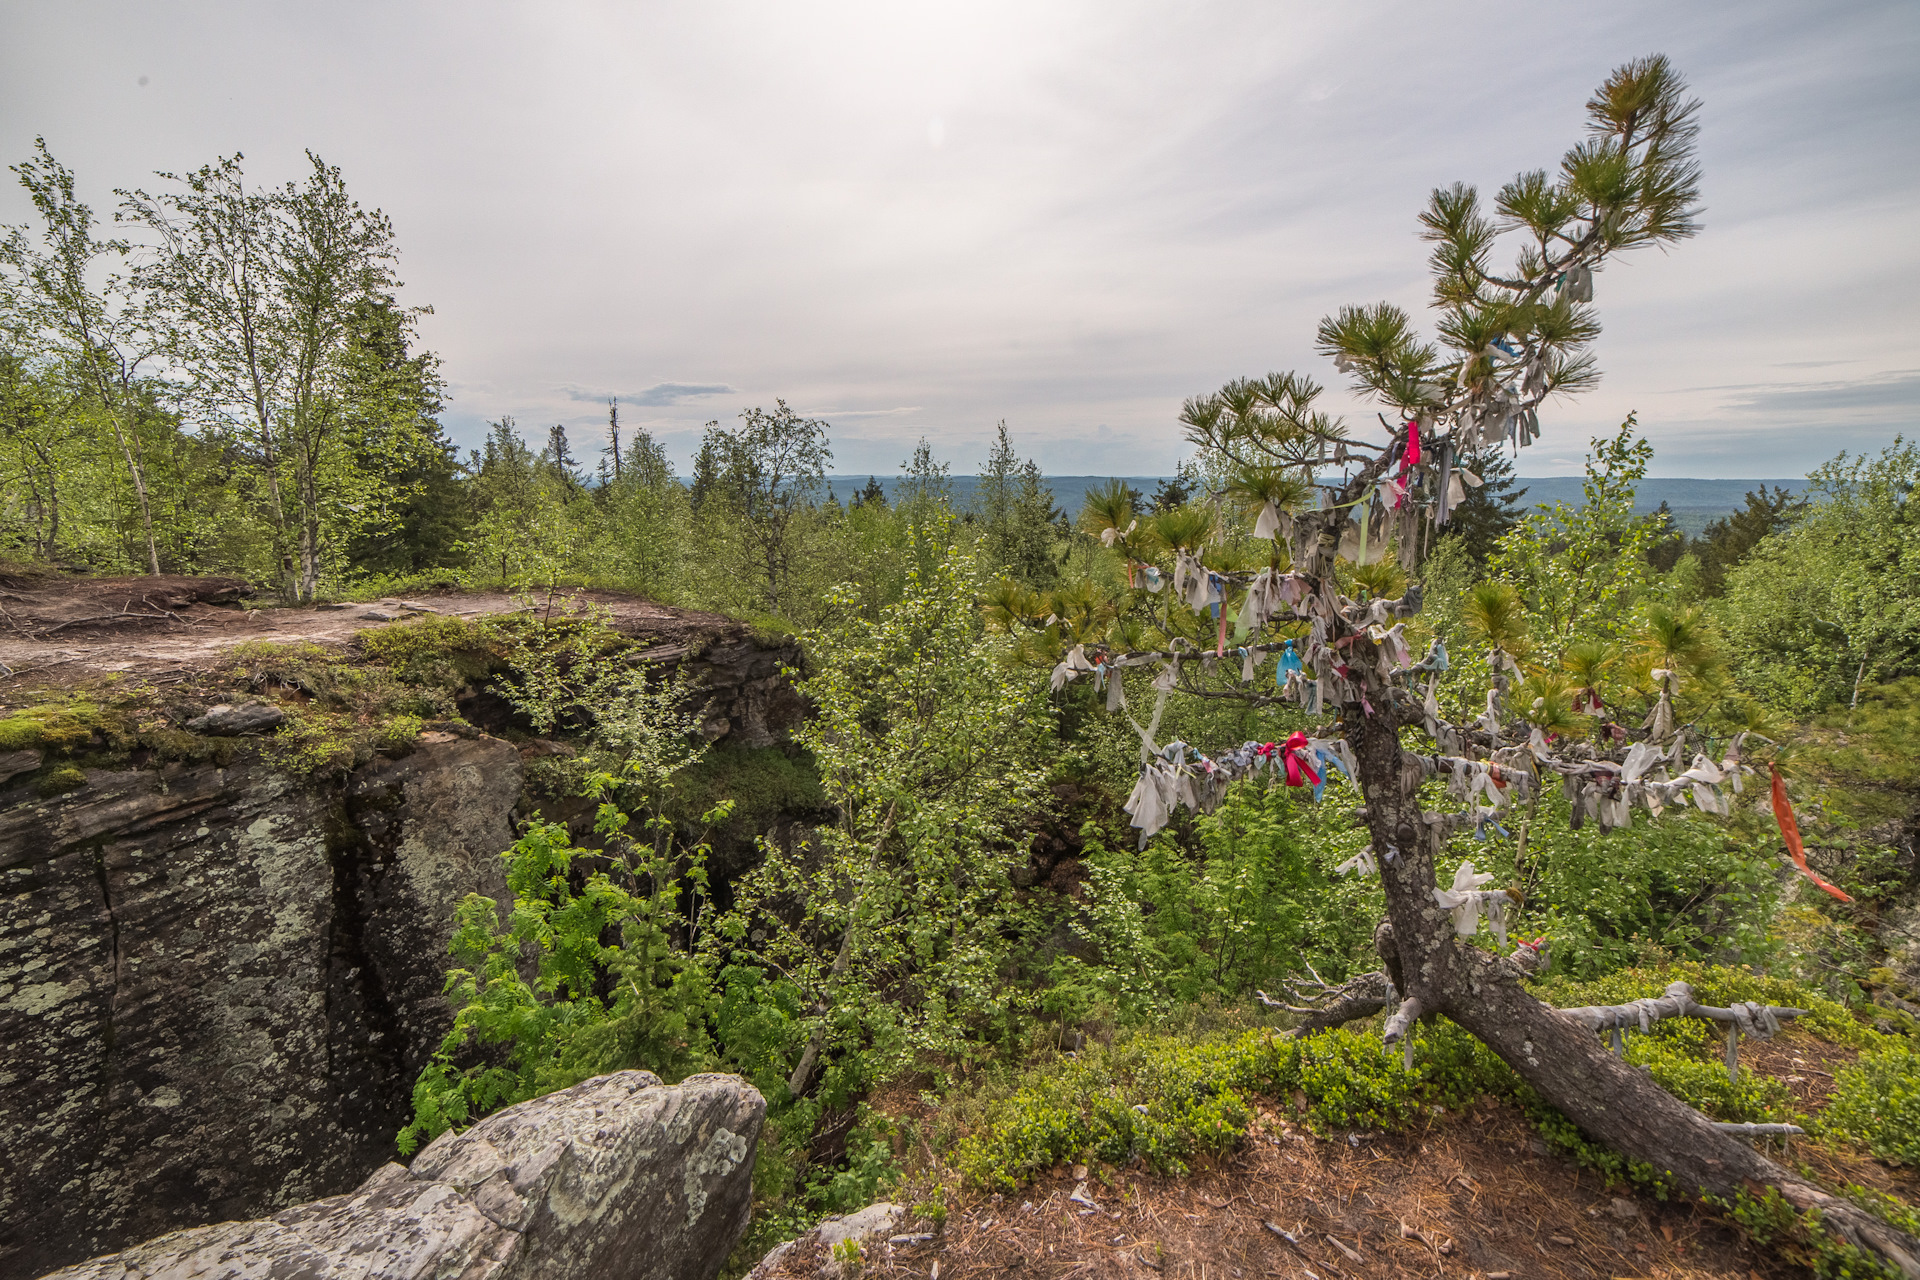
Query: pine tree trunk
1615, 1104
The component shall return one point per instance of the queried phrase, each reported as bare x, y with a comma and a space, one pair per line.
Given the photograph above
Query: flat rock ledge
618, 1178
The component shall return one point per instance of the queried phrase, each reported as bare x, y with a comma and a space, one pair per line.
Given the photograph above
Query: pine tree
1507, 339
1490, 510
1729, 540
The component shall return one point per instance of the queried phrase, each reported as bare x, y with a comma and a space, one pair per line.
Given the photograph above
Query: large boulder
619, 1178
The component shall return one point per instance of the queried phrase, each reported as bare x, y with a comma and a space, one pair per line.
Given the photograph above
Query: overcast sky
915, 219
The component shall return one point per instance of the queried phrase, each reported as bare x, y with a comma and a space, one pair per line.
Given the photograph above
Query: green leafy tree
392, 406
647, 511
262, 288
1014, 511
1489, 511
1832, 605
1581, 569
1507, 338
770, 467
1728, 541
622, 975
925, 490
33, 472
933, 753
94, 319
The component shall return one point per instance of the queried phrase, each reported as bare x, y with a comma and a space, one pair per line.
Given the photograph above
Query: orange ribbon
1790, 831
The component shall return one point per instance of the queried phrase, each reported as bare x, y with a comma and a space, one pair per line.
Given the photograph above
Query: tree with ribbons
1334, 517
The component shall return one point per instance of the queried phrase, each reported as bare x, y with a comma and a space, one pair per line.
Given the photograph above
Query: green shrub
1895, 1213
1701, 1081
1243, 908
1684, 885
396, 736
315, 742
1876, 1102
435, 645
1163, 1102
1771, 1223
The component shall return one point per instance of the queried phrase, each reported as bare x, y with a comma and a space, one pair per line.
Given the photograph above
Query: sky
918, 220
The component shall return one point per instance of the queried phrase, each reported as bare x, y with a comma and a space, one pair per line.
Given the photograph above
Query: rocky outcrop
742, 682
820, 1253
217, 984
619, 1178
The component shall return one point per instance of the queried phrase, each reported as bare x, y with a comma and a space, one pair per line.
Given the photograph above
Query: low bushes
1876, 1102
1163, 1101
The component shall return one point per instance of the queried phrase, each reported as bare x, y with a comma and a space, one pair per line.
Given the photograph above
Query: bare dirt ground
58, 632
1477, 1196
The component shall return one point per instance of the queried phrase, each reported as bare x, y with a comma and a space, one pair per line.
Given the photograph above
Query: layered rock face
217, 984
619, 1178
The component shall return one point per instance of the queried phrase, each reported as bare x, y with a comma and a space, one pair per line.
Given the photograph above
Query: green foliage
932, 754
352, 706
62, 727
1581, 569
1692, 1071
416, 648
1489, 512
1245, 907
61, 780
1014, 512
1715, 985
1687, 886
1876, 1102
1165, 1101
1771, 1223
1895, 1213
1728, 541
639, 1000
1864, 756
764, 783
1832, 605
768, 469
279, 314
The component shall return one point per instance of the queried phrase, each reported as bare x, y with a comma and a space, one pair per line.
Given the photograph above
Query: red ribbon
1790, 832
1296, 758
1408, 461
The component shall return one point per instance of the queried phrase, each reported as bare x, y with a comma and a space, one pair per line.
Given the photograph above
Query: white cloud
1069, 216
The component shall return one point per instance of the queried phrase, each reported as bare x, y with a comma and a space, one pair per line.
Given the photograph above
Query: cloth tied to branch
1297, 759
1468, 902
1071, 667
1790, 832
1271, 522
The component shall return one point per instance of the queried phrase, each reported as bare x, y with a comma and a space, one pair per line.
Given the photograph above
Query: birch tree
91, 316
262, 287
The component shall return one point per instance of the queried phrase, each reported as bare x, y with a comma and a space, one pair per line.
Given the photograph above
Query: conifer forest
1331, 792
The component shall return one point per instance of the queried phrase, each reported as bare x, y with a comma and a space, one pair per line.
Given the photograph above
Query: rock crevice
215, 987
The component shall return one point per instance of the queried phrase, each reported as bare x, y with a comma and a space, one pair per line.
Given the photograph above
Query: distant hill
1068, 491
1695, 503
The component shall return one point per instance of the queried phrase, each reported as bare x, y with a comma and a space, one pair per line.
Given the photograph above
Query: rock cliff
217, 984
219, 980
